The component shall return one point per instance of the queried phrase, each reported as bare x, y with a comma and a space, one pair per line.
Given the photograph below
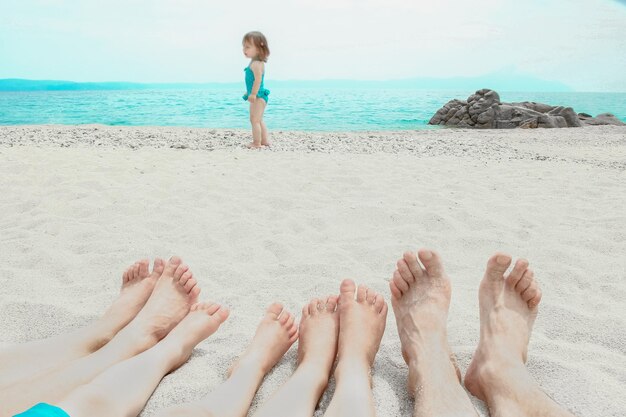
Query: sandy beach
80, 203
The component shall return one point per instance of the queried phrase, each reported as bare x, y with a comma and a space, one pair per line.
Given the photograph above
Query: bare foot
201, 322
319, 329
274, 336
173, 295
508, 308
266, 143
420, 300
137, 285
362, 324
253, 145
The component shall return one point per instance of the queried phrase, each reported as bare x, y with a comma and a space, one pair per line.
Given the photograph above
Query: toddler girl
255, 47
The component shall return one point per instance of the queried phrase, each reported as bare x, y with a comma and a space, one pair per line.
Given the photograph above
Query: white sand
78, 204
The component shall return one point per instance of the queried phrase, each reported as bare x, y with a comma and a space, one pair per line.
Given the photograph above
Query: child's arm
257, 70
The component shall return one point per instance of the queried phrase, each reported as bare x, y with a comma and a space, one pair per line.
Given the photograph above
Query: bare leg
264, 134
21, 362
497, 374
362, 324
317, 349
420, 299
123, 389
174, 293
256, 116
274, 336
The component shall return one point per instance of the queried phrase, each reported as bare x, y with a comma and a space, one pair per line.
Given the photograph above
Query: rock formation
483, 110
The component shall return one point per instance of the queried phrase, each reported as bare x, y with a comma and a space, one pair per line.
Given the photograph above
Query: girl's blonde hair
258, 40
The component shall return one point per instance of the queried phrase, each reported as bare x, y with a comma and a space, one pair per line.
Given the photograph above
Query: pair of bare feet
253, 145
508, 303
151, 305
347, 328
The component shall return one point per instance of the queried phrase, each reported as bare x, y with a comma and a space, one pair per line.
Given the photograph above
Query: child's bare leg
362, 324
24, 361
174, 293
256, 116
317, 349
123, 389
275, 334
420, 297
497, 374
264, 134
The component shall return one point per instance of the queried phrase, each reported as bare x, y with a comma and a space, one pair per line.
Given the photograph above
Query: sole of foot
362, 318
274, 335
319, 331
508, 309
175, 292
420, 297
201, 322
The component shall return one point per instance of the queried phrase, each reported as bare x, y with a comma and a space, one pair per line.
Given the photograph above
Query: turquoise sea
325, 109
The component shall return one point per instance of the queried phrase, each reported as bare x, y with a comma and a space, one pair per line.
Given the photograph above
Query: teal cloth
43, 410
263, 92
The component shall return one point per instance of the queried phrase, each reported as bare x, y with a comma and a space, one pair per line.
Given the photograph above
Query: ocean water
324, 109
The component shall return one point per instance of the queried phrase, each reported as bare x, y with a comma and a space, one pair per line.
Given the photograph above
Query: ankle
351, 366
251, 363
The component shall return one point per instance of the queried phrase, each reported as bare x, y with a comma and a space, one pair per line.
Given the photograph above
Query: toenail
426, 255
502, 260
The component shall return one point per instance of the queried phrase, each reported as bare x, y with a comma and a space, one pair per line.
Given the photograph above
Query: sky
581, 43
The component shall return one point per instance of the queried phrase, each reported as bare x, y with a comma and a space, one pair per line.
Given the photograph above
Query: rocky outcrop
484, 110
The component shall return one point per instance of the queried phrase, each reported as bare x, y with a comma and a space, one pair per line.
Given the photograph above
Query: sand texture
79, 204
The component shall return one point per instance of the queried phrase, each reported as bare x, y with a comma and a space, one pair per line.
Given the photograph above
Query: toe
497, 266
518, 271
171, 265
313, 306
370, 296
347, 289
383, 310
284, 317
379, 303
134, 272
212, 308
395, 292
534, 302
180, 270
397, 279
414, 266
361, 293
531, 292
195, 292
331, 303
185, 277
432, 262
405, 272
274, 310
144, 268
222, 314
290, 321
125, 276
305, 311
191, 282
293, 331
157, 267
525, 281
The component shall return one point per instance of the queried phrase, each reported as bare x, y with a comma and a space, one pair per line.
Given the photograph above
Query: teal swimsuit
263, 92
43, 410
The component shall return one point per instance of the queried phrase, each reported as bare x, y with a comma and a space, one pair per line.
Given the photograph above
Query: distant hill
500, 81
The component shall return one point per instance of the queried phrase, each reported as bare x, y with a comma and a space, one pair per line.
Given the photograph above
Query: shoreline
600, 146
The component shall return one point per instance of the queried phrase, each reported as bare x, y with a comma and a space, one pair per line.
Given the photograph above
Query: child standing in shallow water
255, 47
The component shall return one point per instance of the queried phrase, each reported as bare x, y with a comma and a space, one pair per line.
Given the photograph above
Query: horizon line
561, 87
